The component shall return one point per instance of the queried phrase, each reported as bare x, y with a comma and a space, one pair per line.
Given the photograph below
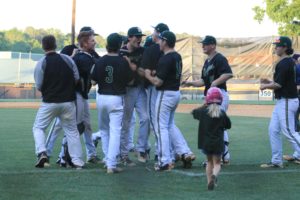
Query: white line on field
193, 174
190, 174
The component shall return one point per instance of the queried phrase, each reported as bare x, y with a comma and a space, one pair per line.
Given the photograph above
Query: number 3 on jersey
110, 71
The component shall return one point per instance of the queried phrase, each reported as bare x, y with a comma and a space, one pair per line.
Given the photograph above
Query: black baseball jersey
136, 58
285, 76
169, 70
85, 63
112, 73
68, 50
213, 69
151, 57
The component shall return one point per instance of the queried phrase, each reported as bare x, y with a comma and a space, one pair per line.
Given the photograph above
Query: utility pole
73, 20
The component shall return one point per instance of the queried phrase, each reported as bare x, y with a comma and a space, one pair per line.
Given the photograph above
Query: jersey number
109, 78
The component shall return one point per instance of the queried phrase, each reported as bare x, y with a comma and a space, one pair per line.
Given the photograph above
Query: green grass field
242, 179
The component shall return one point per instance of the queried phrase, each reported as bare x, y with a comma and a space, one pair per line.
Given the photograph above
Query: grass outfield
243, 179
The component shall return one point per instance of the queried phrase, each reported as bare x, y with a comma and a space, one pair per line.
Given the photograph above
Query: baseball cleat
271, 165
94, 160
42, 159
288, 158
142, 157
164, 168
187, 160
127, 162
297, 161
114, 170
225, 162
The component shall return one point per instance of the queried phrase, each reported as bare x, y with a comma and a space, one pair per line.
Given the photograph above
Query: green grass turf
242, 179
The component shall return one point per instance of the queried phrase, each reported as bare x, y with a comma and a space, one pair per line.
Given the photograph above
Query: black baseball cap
209, 40
114, 40
296, 56
283, 41
135, 31
169, 37
161, 27
87, 28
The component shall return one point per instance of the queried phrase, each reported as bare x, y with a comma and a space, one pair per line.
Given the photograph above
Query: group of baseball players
145, 80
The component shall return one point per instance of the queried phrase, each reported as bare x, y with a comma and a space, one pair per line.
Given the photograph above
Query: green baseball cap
283, 41
169, 37
161, 27
209, 40
114, 40
135, 31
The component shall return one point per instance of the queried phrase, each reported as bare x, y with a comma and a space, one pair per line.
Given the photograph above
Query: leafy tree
282, 12
4, 43
21, 46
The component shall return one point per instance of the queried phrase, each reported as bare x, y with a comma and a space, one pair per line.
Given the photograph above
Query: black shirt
151, 57
211, 130
68, 50
136, 58
213, 69
59, 82
285, 76
84, 62
112, 73
169, 70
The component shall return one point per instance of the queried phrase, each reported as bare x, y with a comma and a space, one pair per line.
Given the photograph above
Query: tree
282, 12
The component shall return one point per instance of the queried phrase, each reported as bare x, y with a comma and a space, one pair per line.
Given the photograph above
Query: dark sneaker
271, 165
125, 160
142, 157
148, 154
211, 185
163, 168
95, 142
187, 160
94, 160
42, 159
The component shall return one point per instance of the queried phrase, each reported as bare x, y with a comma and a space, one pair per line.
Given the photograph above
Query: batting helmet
214, 95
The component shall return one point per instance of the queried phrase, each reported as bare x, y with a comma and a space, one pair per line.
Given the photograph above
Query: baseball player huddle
145, 80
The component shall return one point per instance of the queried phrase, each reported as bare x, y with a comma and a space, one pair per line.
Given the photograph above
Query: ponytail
214, 110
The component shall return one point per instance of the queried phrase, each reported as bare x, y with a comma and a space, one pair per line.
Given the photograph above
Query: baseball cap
283, 41
114, 40
161, 27
209, 40
168, 36
135, 31
87, 28
214, 95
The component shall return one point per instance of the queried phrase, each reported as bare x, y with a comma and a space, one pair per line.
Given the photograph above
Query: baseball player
55, 76
167, 82
150, 60
283, 117
135, 98
215, 72
112, 73
84, 61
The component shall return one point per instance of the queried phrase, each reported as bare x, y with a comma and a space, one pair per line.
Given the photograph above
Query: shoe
271, 165
148, 154
42, 159
125, 160
142, 157
165, 168
114, 170
187, 160
225, 162
77, 167
177, 158
288, 158
94, 160
58, 160
211, 185
297, 161
156, 158
132, 150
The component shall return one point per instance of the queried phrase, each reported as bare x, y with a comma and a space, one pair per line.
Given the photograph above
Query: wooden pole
73, 20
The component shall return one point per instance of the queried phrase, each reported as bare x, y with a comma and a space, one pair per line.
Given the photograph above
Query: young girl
212, 123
